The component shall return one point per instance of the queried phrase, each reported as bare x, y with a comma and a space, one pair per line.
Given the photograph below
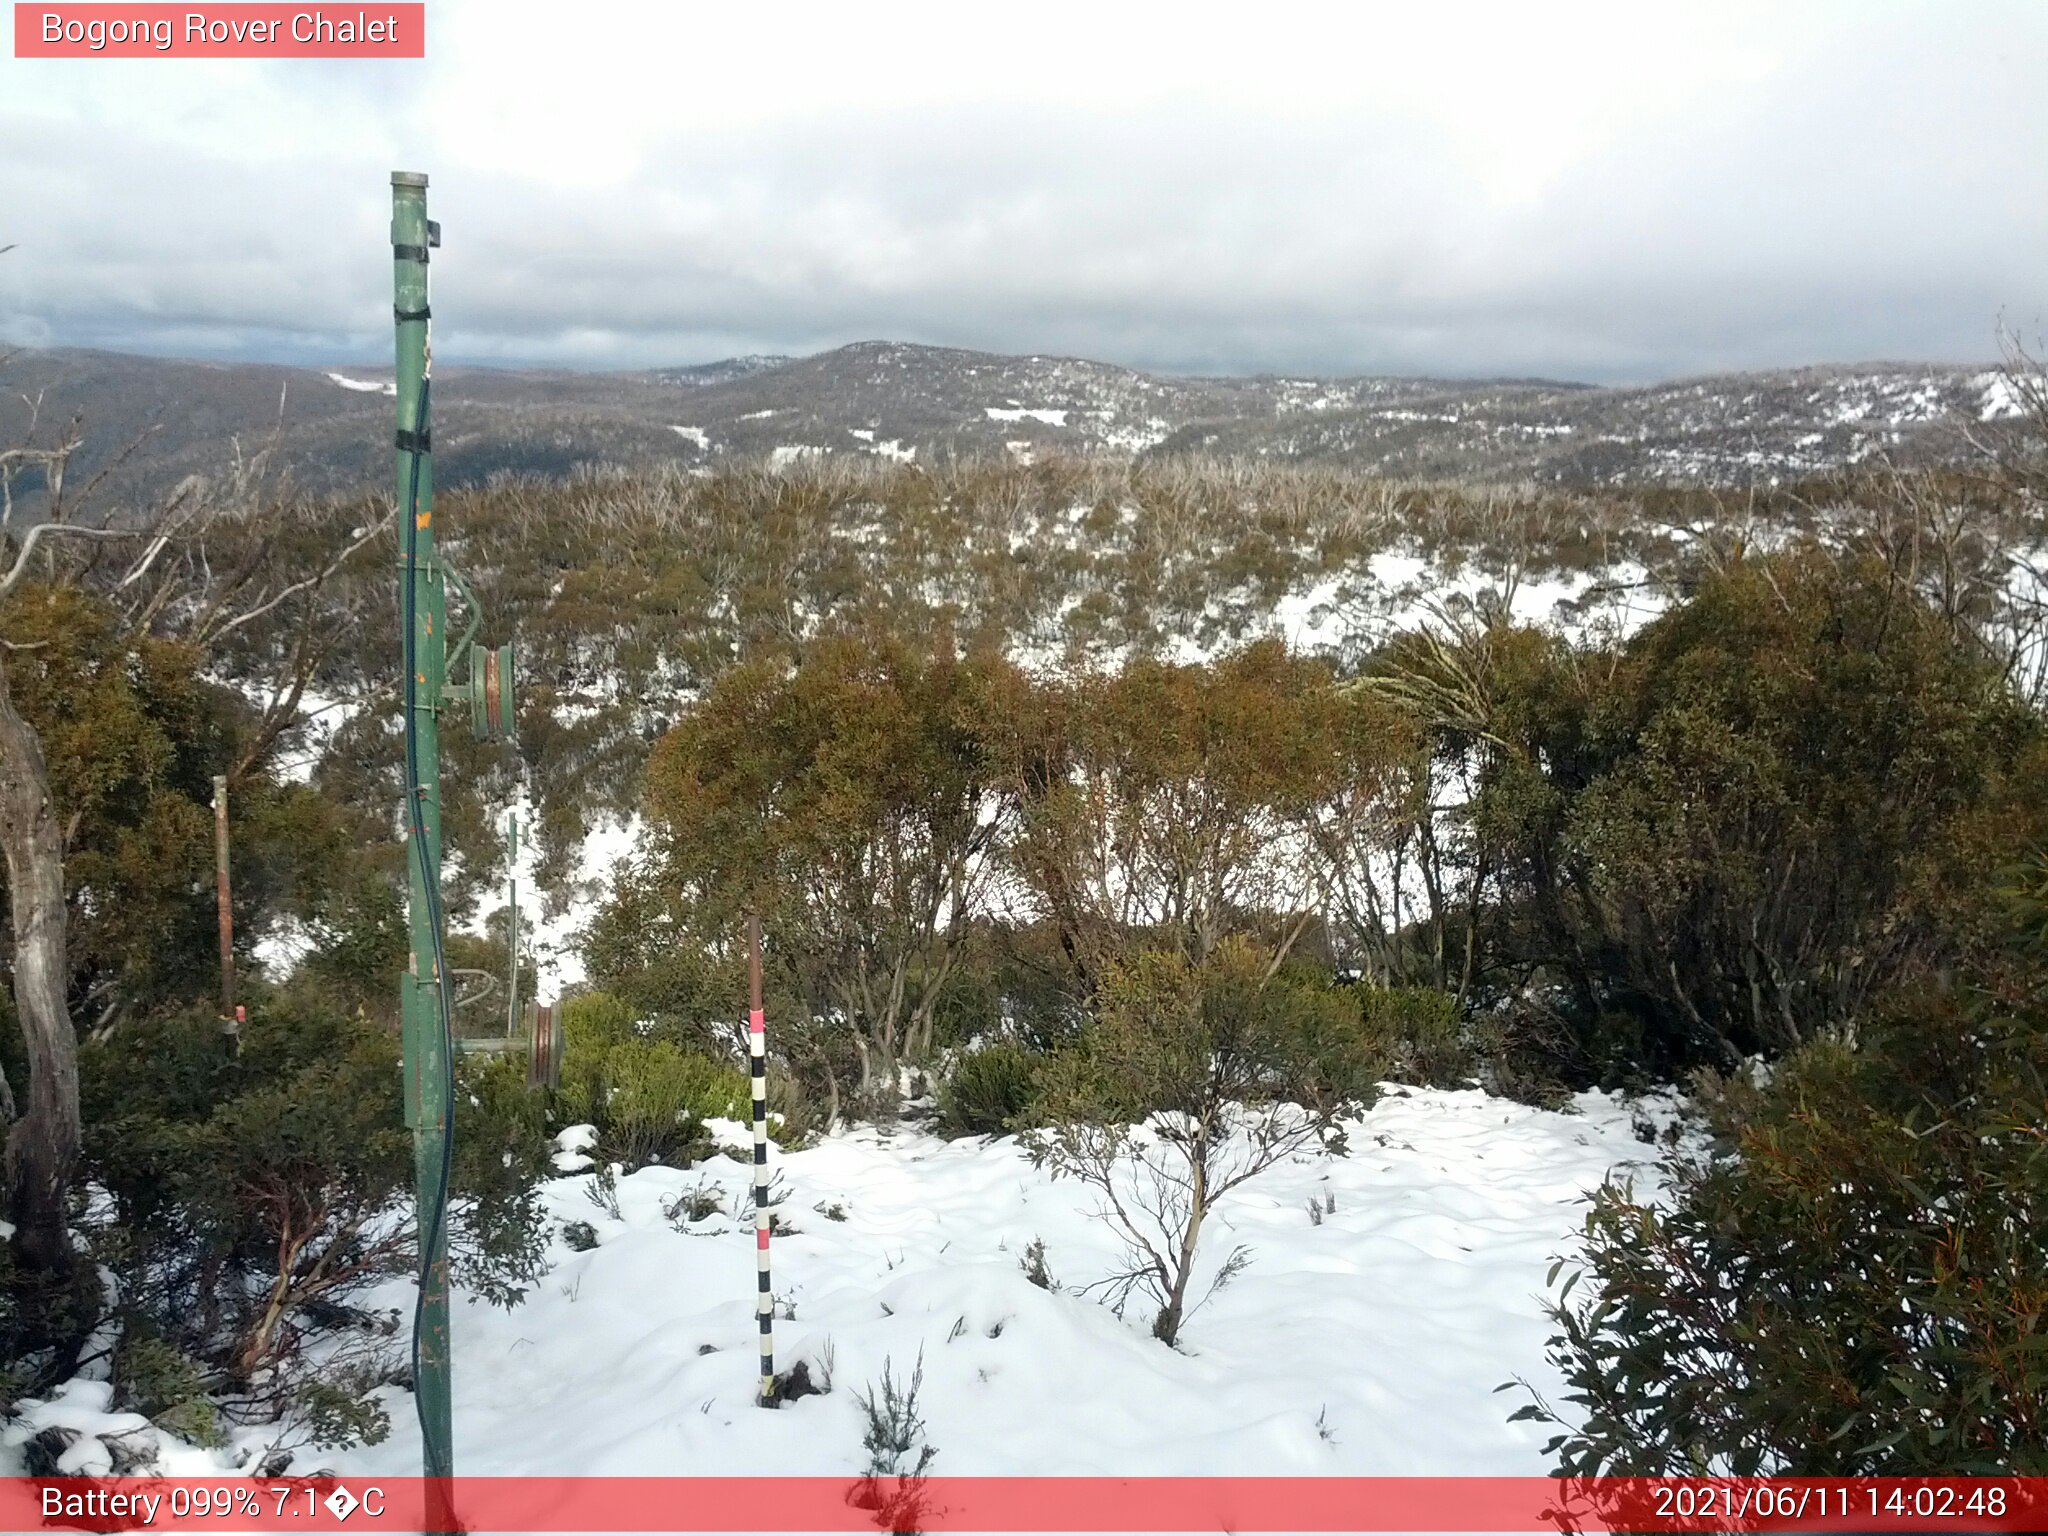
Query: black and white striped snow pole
757, 1055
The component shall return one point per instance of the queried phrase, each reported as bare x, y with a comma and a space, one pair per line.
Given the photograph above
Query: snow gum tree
104, 718
1181, 802
845, 796
108, 736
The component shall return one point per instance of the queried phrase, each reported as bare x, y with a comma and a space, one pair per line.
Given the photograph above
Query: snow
1366, 1344
555, 939
1134, 439
1395, 569
573, 1148
1311, 619
366, 386
789, 453
1999, 397
286, 942
1051, 418
696, 435
320, 715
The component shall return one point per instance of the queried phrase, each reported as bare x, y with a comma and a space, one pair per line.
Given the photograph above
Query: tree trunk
1166, 1327
42, 1145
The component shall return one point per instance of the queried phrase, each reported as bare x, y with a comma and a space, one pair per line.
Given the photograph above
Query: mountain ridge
906, 402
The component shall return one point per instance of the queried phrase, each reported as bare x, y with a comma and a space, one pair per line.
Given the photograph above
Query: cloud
1599, 192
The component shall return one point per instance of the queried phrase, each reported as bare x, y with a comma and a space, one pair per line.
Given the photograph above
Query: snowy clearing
1367, 1343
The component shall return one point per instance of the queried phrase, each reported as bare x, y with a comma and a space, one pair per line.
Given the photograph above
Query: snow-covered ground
1367, 1343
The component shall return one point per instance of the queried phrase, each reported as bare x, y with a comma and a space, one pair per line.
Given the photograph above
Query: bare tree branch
219, 632
19, 569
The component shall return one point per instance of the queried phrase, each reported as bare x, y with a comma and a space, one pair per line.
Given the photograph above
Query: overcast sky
1611, 192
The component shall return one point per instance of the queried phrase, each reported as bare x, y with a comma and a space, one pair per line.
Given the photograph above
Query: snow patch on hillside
1998, 397
320, 715
1051, 418
556, 937
364, 386
1153, 431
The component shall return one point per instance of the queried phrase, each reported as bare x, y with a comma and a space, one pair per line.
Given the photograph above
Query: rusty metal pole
223, 898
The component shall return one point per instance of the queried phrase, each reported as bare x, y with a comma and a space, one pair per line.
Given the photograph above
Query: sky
1605, 192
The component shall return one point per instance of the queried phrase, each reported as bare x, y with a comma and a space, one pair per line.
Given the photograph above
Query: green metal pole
427, 1064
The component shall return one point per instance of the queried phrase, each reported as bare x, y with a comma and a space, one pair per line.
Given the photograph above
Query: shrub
1738, 830
1232, 1066
1036, 1267
251, 1195
1851, 1284
990, 1091
157, 1379
893, 1484
646, 1097
895, 1432
1417, 1030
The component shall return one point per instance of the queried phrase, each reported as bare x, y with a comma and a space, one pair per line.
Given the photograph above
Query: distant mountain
894, 401
722, 372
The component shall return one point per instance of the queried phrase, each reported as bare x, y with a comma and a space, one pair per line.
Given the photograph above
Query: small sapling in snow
897, 1450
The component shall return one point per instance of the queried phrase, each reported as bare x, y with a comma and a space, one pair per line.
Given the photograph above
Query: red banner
1006, 1504
372, 31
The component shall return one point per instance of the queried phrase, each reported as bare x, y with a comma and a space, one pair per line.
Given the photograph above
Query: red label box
242, 31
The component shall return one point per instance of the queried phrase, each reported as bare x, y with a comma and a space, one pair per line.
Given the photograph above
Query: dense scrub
1849, 1283
1610, 861
249, 1194
646, 1095
1033, 803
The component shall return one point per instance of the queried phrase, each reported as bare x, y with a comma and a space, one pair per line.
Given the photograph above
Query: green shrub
1236, 1066
1773, 808
157, 1379
647, 1098
1852, 1284
1416, 1029
251, 1195
990, 1091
